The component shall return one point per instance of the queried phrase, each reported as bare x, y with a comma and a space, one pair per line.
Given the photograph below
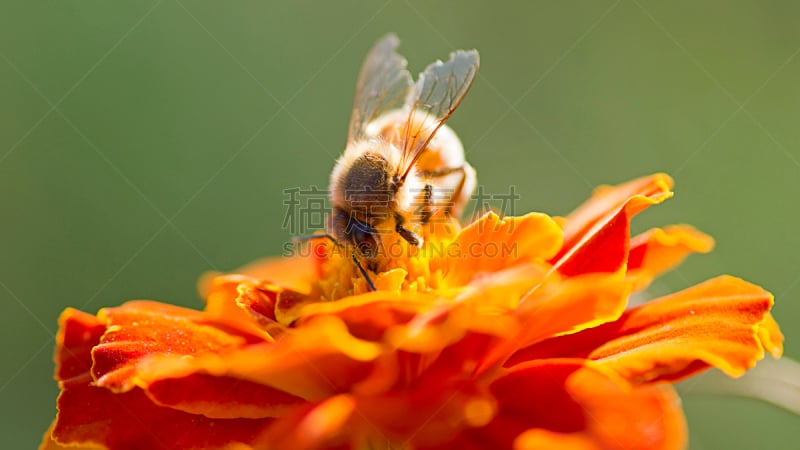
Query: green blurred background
144, 143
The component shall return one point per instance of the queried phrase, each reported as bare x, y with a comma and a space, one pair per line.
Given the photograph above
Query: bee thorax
365, 186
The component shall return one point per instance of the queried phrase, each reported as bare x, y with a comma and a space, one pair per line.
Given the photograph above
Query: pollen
401, 267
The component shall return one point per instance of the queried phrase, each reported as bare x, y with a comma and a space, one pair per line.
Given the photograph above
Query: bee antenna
364, 273
309, 237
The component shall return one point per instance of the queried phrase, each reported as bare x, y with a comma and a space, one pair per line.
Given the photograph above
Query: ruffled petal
369, 316
49, 442
96, 416
319, 426
659, 250
221, 397
723, 323
312, 363
563, 307
491, 244
78, 333
243, 303
297, 272
771, 337
125, 341
545, 404
596, 235
141, 329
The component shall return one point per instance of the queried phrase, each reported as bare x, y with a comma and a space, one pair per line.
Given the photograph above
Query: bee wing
383, 84
437, 93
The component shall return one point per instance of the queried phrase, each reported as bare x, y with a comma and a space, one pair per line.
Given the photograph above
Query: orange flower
516, 335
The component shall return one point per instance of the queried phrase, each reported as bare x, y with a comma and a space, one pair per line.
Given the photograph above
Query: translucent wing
436, 95
383, 85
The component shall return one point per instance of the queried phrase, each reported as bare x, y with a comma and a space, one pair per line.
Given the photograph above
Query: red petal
93, 415
596, 235
423, 415
138, 330
78, 332
221, 397
564, 402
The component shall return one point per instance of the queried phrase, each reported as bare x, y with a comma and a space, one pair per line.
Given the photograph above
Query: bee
402, 165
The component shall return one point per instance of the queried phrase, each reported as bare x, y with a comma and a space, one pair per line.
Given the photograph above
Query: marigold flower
530, 348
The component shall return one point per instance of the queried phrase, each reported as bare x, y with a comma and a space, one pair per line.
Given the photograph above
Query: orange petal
564, 307
316, 427
94, 416
490, 244
573, 304
416, 417
296, 272
502, 291
313, 362
771, 337
657, 251
486, 306
537, 439
416, 329
597, 233
258, 302
289, 304
242, 303
555, 402
369, 316
723, 323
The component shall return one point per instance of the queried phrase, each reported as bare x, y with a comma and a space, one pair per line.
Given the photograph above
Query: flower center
398, 266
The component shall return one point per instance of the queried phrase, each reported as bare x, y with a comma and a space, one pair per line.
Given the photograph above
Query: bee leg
410, 237
426, 212
457, 192
364, 273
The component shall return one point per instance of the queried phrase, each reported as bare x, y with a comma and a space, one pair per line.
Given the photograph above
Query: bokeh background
143, 143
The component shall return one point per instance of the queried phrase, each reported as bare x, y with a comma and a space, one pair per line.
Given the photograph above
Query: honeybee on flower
401, 165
